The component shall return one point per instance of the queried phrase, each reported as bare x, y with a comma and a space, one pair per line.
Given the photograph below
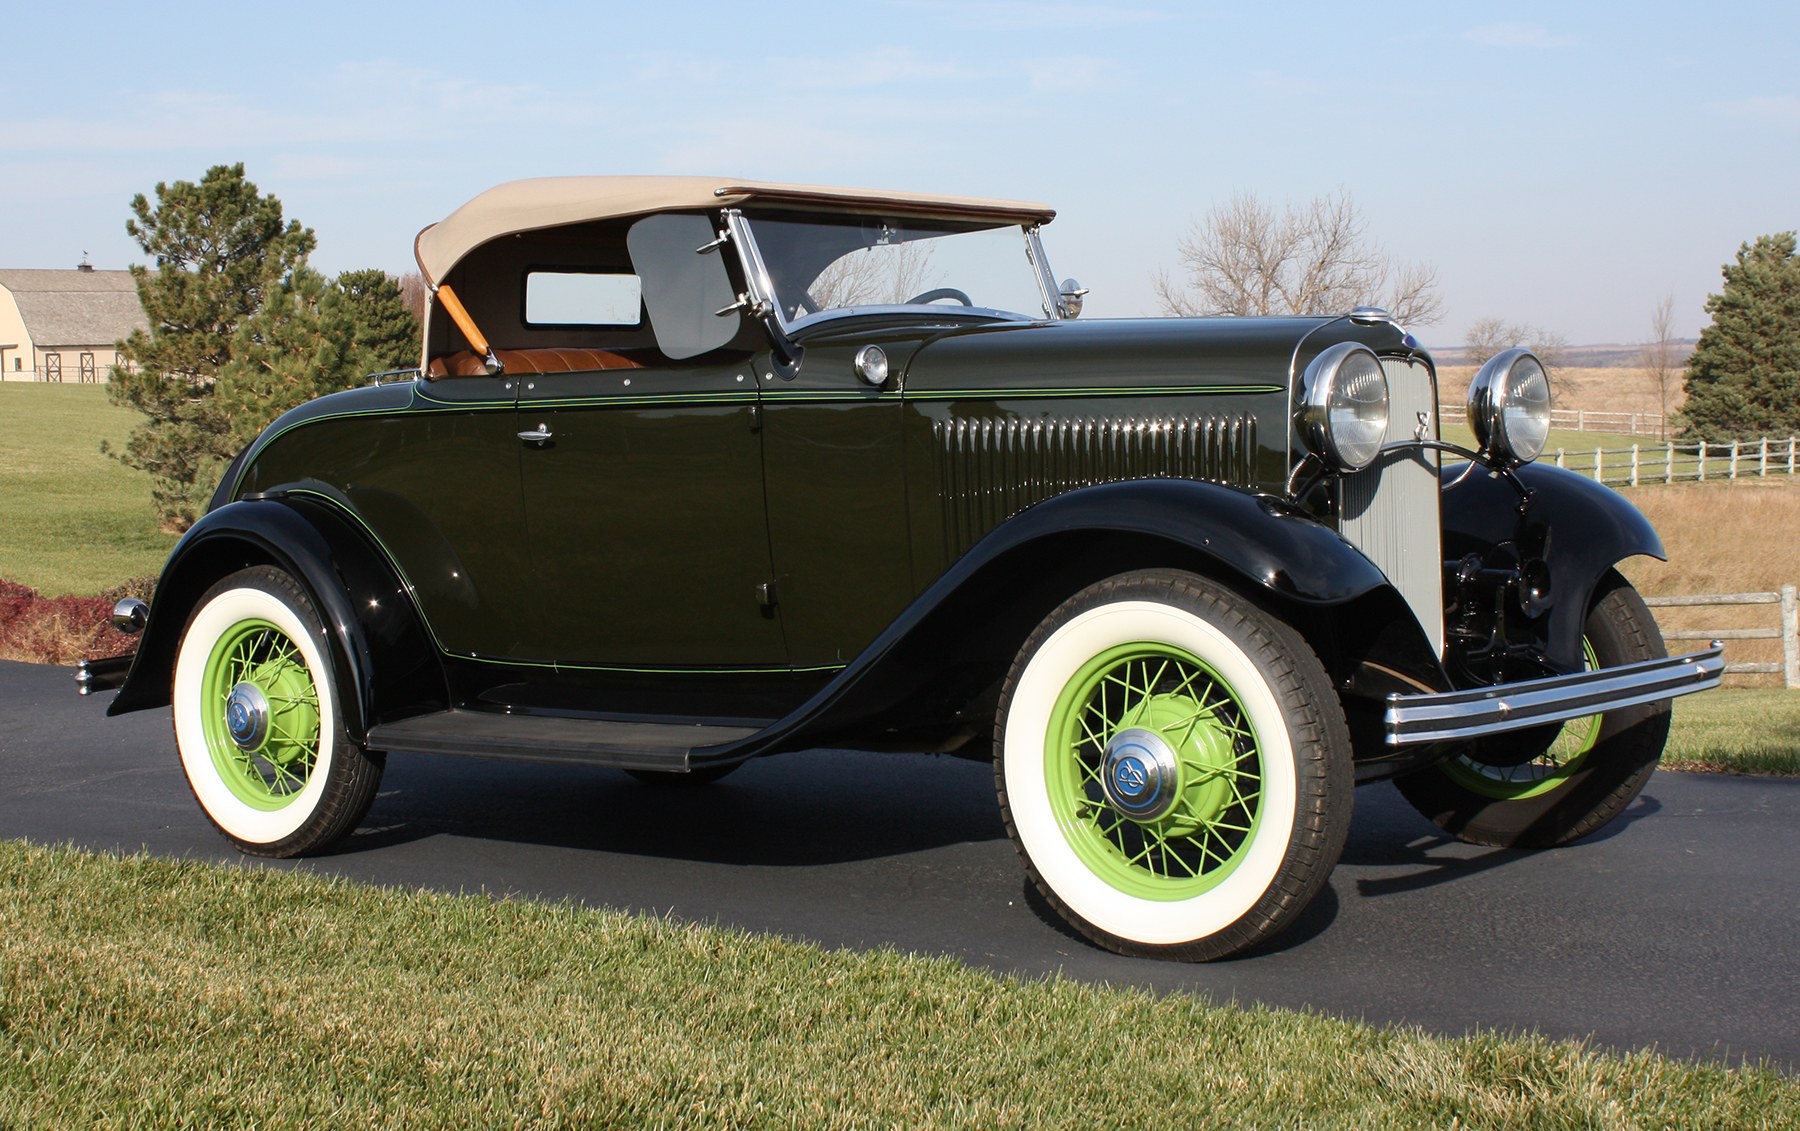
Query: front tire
1578, 779
1173, 766
257, 720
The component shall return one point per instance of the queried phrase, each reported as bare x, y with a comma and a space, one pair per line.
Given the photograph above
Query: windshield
825, 263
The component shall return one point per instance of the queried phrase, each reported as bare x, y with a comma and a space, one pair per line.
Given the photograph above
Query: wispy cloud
1280, 84
1023, 13
887, 66
711, 147
1512, 34
1768, 109
353, 103
1075, 76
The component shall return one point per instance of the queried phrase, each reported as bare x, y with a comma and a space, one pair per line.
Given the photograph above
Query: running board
554, 739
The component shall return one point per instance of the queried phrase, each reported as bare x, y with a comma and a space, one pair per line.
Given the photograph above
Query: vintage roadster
694, 471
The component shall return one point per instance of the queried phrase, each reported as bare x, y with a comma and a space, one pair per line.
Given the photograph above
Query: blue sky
1561, 166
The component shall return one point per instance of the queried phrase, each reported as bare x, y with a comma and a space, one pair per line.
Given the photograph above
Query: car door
644, 509
642, 479
837, 498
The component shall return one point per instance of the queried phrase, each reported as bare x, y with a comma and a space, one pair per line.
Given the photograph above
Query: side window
689, 290
563, 299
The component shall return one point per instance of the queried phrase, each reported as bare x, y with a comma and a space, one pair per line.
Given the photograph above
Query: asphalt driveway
1678, 928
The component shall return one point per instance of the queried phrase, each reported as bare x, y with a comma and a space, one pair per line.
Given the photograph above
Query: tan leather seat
541, 359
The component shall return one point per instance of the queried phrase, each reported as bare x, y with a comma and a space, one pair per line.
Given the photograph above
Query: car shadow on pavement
1437, 858
797, 810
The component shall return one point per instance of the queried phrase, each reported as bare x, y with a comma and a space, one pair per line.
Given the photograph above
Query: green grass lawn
1456, 431
157, 993
1742, 730
144, 992
71, 519
1655, 461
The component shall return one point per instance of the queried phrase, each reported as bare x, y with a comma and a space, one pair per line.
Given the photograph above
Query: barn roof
75, 307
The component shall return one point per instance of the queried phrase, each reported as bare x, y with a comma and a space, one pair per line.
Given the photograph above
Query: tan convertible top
546, 202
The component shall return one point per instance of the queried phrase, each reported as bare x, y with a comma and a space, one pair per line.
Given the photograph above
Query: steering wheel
936, 293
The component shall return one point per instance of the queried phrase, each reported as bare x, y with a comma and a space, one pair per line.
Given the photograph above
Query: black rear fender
385, 663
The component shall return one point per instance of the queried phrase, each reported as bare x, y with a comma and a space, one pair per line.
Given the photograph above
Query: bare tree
1244, 258
885, 273
1487, 337
1552, 348
413, 292
1659, 357
1491, 335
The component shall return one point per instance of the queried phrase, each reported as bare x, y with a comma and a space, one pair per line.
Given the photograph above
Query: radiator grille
993, 468
1390, 510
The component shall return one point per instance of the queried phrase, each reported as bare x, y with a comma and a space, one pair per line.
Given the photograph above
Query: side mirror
1069, 297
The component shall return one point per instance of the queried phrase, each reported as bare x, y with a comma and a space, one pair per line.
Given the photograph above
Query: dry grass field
1723, 537
1608, 389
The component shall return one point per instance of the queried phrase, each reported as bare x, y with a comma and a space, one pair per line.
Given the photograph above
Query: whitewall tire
258, 723
1173, 766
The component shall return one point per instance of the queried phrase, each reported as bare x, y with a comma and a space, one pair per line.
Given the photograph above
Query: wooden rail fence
1587, 420
1642, 464
1788, 630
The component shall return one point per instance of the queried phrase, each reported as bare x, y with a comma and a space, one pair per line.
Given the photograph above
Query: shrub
63, 630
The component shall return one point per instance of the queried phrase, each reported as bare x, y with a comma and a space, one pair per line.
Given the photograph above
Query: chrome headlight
1345, 415
1509, 406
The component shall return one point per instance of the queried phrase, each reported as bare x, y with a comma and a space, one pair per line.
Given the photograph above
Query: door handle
538, 435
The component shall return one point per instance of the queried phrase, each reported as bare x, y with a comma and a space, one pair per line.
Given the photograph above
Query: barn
65, 325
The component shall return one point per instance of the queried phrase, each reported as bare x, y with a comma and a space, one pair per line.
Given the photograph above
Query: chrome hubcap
1141, 777
247, 716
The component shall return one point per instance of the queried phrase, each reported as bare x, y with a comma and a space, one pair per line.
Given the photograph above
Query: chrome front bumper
1412, 720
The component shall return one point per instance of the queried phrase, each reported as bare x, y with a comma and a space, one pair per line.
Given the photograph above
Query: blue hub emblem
238, 720
1141, 776
1130, 777
247, 716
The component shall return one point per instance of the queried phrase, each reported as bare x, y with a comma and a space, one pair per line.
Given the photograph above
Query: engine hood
1258, 354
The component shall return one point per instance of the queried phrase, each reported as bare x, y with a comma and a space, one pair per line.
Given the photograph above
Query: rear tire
1587, 773
1173, 766
258, 724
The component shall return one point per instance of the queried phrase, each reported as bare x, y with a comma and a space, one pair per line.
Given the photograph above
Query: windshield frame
763, 300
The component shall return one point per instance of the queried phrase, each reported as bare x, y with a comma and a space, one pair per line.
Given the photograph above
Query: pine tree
219, 249
313, 336
1744, 378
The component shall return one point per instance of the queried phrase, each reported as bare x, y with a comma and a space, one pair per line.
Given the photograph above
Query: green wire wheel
1173, 766
257, 719
1154, 771
1538, 789
263, 728
1565, 754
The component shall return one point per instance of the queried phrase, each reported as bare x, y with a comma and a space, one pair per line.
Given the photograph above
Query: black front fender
1577, 527
959, 635
383, 661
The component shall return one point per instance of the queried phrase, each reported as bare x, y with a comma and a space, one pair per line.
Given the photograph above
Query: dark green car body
707, 496
718, 541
